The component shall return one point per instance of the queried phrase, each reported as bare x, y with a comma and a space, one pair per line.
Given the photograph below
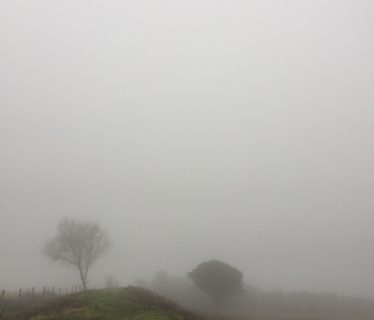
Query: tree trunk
83, 276
84, 284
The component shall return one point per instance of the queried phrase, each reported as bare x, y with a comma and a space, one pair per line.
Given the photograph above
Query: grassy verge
128, 303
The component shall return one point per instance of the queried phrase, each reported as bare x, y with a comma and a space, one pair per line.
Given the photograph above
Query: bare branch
79, 244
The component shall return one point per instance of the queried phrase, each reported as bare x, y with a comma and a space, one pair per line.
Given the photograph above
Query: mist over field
237, 130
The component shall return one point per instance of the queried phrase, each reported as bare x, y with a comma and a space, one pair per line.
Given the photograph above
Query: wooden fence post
1, 304
33, 292
44, 291
19, 293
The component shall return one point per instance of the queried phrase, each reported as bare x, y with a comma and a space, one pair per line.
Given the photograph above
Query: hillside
130, 303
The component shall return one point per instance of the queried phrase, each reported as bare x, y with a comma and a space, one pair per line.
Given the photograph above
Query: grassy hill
130, 303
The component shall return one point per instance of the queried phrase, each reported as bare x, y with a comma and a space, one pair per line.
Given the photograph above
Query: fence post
33, 292
44, 291
19, 293
1, 303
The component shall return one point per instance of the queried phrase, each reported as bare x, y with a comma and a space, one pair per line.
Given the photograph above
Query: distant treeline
256, 301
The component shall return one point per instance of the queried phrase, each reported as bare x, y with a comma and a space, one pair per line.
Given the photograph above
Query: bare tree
77, 244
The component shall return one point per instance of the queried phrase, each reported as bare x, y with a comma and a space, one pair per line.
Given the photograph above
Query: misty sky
236, 130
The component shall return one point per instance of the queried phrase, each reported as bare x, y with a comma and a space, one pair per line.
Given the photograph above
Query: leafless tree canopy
79, 244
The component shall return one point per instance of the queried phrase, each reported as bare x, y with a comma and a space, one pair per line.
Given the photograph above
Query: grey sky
236, 130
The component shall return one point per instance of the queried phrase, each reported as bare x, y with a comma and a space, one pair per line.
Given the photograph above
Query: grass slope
130, 303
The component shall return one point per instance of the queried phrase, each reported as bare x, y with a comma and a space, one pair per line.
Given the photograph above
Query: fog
191, 130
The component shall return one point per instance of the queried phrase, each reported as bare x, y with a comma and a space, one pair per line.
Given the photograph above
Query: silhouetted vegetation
217, 279
78, 244
257, 303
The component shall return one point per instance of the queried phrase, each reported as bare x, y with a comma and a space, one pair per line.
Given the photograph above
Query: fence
13, 301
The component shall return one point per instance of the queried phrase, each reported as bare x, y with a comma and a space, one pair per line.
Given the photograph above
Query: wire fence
13, 301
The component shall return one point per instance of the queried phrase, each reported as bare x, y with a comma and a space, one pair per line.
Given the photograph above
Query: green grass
129, 303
